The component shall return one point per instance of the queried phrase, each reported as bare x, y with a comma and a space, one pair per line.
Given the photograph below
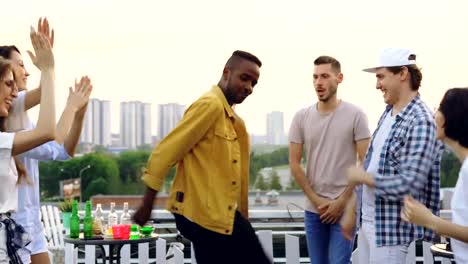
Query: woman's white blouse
8, 175
460, 212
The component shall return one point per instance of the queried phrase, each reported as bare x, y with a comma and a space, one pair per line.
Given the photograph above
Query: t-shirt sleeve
6, 145
296, 134
361, 126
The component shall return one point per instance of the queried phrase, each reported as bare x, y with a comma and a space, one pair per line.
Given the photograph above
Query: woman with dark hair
12, 236
452, 128
68, 131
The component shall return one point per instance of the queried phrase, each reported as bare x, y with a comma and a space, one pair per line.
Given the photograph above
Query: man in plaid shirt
403, 159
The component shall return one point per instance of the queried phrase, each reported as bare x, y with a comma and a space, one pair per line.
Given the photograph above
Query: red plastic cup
121, 231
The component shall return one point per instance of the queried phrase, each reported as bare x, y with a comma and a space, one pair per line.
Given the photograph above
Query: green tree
131, 164
145, 148
261, 184
449, 168
275, 183
103, 166
101, 178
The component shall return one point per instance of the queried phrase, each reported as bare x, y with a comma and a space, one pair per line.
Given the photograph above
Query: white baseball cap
391, 57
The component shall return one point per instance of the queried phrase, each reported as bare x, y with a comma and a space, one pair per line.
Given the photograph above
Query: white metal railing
291, 244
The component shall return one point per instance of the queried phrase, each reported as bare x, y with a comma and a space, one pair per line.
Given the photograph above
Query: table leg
103, 256
119, 248
111, 254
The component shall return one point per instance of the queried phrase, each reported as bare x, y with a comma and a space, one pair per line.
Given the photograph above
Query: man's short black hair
239, 54
454, 107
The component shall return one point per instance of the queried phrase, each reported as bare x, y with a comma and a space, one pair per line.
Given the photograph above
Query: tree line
121, 174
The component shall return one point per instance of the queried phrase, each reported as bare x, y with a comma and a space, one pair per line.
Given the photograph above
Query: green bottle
74, 221
88, 221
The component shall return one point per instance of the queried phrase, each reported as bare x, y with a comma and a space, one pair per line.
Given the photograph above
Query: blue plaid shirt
409, 164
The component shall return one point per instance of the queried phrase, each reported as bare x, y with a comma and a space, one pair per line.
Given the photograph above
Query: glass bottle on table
125, 218
88, 221
98, 220
74, 221
112, 218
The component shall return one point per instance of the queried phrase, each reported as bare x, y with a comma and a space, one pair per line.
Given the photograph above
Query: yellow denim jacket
210, 146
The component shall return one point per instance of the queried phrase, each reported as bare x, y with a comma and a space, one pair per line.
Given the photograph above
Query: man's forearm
301, 179
149, 197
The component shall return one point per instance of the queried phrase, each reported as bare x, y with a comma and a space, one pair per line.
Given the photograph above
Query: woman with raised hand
452, 128
68, 131
12, 236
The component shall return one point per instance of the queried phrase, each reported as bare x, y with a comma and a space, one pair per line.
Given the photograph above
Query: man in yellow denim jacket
209, 195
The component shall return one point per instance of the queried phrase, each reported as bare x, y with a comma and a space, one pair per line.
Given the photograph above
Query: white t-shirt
368, 195
8, 175
459, 206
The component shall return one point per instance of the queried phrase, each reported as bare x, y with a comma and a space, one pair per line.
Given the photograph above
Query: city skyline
135, 124
135, 119
158, 52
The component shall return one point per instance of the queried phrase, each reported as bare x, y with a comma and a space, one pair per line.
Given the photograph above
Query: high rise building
135, 124
97, 124
169, 115
275, 128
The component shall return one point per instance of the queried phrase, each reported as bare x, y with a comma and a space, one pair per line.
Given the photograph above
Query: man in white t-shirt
334, 134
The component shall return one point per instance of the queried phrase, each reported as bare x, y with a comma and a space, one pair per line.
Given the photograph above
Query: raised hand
78, 98
43, 56
43, 28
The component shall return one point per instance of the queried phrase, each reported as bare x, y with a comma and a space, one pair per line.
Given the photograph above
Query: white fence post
266, 239
427, 254
125, 254
178, 255
411, 256
70, 257
90, 254
192, 254
292, 249
143, 253
160, 251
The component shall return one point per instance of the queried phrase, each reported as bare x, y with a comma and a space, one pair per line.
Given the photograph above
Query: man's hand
333, 212
321, 204
356, 175
348, 221
143, 213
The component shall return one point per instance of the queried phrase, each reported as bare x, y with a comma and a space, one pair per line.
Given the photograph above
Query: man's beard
326, 99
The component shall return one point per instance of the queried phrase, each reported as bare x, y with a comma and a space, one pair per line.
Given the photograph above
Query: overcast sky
173, 51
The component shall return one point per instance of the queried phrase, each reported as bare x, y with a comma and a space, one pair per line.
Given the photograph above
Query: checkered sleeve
415, 161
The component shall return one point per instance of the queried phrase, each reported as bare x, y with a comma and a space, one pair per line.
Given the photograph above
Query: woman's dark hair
6, 51
454, 107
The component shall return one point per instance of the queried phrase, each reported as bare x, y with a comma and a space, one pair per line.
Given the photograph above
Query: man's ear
404, 73
226, 73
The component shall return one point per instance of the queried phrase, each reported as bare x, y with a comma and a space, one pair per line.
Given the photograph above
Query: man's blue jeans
325, 242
